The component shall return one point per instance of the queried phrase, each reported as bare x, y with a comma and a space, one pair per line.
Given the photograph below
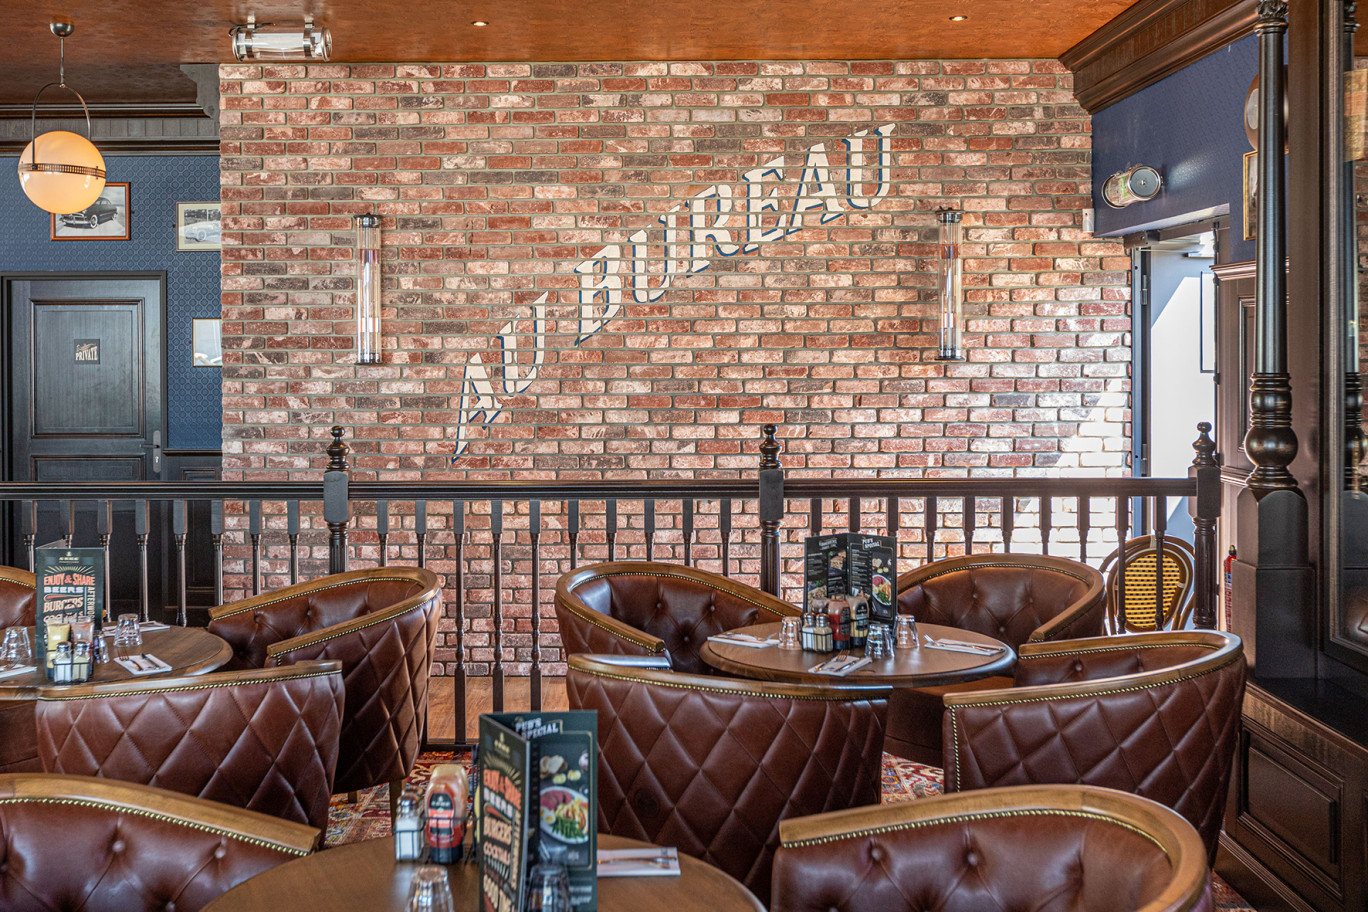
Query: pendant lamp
61, 171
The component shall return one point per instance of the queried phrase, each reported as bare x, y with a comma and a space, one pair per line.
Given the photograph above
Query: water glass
905, 635
789, 637
878, 643
17, 648
127, 636
548, 888
430, 891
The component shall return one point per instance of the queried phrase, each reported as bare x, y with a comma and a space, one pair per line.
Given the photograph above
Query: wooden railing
265, 534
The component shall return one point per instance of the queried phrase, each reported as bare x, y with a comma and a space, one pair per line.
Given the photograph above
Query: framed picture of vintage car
198, 226
106, 219
1251, 195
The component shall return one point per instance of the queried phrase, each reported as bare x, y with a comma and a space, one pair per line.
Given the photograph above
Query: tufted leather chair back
381, 625
650, 608
1047, 848
712, 764
16, 597
1013, 597
1155, 714
265, 740
76, 843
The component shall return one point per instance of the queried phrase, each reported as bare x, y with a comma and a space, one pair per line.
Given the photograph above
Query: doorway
1174, 369
84, 396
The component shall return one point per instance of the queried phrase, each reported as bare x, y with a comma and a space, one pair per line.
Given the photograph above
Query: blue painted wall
156, 184
1191, 127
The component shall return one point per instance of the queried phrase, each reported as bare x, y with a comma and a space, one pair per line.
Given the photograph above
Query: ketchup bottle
446, 813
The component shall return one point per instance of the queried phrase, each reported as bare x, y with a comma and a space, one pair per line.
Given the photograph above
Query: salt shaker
408, 827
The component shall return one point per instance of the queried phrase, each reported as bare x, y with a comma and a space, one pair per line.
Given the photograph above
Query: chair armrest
660, 662
336, 631
620, 635
1084, 618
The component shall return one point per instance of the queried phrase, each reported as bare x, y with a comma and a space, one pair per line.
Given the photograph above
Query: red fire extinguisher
1229, 597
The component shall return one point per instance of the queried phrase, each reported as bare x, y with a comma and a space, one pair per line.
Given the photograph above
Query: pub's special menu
536, 800
70, 583
849, 564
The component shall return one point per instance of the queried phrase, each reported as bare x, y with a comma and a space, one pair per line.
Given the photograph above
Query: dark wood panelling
1149, 41
1294, 805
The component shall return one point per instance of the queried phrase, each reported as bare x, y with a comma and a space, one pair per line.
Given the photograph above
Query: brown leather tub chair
1156, 714
72, 842
1050, 847
18, 742
651, 608
712, 764
1016, 598
381, 624
261, 739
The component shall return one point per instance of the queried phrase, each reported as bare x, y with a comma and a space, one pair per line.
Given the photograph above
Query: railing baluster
216, 534
292, 532
1008, 521
458, 687
1160, 527
610, 525
1046, 522
64, 524
1122, 525
420, 530
853, 515
724, 527
534, 530
969, 518
686, 506
814, 516
931, 522
104, 522
140, 530
650, 521
496, 552
1084, 526
30, 524
572, 531
178, 527
254, 535
382, 530
69, 533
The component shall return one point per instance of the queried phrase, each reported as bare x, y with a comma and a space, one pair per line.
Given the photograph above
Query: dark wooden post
771, 510
336, 509
1205, 509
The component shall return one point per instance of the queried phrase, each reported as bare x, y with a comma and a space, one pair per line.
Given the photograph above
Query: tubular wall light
950, 286
269, 41
64, 172
1134, 185
367, 289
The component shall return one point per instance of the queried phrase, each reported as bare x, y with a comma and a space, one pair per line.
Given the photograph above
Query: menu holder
70, 584
848, 565
537, 799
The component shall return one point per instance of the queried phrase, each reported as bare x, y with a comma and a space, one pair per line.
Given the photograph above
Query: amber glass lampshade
69, 174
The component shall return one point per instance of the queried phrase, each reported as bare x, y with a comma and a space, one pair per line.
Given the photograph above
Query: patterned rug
903, 780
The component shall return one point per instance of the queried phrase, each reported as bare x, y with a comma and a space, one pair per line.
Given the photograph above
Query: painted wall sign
719, 221
87, 351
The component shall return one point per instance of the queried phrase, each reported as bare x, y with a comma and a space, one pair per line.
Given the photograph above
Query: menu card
70, 584
847, 565
537, 799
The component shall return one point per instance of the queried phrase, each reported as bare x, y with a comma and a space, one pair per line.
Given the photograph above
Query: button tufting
1078, 666
170, 906
117, 846
876, 853
220, 851
1001, 628
971, 858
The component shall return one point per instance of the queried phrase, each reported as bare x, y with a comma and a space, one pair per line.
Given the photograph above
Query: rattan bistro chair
1141, 579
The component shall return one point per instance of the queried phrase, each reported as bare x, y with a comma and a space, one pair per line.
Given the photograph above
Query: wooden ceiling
130, 51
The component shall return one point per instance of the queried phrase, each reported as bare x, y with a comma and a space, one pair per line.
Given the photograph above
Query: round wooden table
921, 667
364, 877
188, 650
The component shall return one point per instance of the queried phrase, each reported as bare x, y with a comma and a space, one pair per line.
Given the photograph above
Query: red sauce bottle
446, 813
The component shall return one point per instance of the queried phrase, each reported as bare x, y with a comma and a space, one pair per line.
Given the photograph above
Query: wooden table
364, 877
188, 650
921, 667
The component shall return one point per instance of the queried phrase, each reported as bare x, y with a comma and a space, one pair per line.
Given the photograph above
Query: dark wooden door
87, 403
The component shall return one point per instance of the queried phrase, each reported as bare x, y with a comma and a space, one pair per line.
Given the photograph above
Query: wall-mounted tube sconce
269, 41
1134, 185
950, 287
367, 289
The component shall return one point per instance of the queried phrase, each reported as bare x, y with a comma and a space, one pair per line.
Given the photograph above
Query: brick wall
623, 270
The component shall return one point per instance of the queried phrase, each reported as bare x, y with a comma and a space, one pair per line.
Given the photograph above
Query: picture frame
199, 225
106, 219
206, 339
1251, 195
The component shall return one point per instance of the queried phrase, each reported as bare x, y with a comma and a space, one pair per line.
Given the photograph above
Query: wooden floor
480, 699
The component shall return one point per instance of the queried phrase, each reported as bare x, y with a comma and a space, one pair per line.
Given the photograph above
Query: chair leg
396, 788
352, 796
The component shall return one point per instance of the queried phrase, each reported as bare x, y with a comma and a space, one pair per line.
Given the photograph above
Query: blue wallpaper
1190, 126
156, 184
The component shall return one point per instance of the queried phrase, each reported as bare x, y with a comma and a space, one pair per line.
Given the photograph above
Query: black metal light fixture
61, 171
950, 286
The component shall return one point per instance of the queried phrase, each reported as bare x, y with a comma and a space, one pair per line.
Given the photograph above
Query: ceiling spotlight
60, 171
958, 18
479, 23
269, 41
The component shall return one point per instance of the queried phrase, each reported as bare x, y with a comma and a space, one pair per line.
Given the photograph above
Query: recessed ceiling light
958, 18
479, 23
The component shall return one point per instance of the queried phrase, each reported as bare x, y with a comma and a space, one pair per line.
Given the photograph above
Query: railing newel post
771, 493
336, 506
1205, 509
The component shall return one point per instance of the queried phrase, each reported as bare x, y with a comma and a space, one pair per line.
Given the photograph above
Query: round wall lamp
61, 171
1135, 185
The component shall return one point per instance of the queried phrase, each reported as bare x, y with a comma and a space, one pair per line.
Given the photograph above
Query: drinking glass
878, 644
127, 636
17, 649
789, 634
548, 888
906, 632
430, 891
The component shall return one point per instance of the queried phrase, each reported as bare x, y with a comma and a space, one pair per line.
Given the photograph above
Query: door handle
156, 448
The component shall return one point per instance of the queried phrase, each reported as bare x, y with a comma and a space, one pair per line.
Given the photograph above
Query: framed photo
106, 219
1251, 195
198, 226
207, 339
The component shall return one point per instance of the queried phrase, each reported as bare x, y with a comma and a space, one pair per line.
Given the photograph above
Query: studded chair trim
17, 594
